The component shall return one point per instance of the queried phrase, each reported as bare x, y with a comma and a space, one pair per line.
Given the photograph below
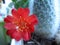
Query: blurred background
47, 32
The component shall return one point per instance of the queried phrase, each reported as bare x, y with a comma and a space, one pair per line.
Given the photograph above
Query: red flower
20, 24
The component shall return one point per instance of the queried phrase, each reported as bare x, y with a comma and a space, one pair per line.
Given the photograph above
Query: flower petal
32, 19
31, 28
10, 26
8, 19
10, 32
16, 35
26, 36
15, 14
20, 11
24, 12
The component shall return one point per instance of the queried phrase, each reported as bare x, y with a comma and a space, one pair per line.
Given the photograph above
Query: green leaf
14, 0
3, 40
20, 3
26, 3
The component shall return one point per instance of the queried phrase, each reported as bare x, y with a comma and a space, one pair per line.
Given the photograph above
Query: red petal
24, 12
15, 14
32, 20
8, 19
16, 35
10, 26
10, 32
26, 36
20, 11
31, 28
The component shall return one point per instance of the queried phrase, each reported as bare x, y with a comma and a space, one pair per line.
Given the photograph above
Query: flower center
21, 25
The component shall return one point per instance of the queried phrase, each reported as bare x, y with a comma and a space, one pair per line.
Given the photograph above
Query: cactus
46, 13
